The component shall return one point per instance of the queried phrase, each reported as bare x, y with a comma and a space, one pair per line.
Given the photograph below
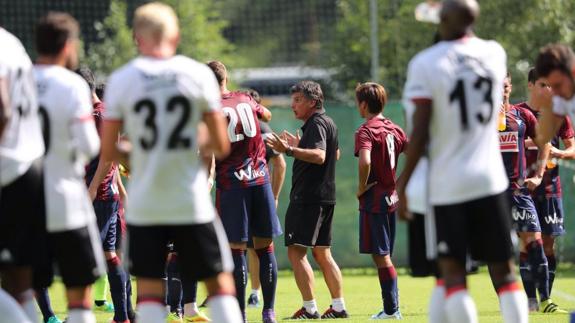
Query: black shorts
77, 254
419, 264
203, 250
482, 227
23, 219
309, 225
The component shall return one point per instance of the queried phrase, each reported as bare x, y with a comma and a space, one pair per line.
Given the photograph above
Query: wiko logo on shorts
249, 175
508, 141
523, 215
553, 219
392, 200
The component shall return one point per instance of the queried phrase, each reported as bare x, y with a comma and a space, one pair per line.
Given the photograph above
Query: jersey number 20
246, 118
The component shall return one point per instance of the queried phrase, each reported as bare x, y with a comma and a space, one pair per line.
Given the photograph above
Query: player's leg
300, 223
100, 287
43, 300
120, 243
549, 249
550, 212
254, 269
265, 225
204, 255
491, 242
376, 233
147, 256
173, 288
191, 311
322, 255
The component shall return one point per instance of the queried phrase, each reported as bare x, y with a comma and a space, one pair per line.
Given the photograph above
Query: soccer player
520, 123
102, 180
21, 189
456, 86
312, 198
244, 197
160, 98
71, 140
547, 196
378, 143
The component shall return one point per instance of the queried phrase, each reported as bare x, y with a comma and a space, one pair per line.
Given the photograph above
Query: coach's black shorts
482, 226
309, 225
22, 218
203, 250
77, 254
419, 264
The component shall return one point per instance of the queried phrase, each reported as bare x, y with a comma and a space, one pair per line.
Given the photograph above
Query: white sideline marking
564, 295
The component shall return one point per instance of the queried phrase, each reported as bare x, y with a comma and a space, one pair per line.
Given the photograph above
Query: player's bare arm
542, 156
549, 123
109, 150
266, 115
364, 168
217, 128
5, 110
278, 175
101, 171
313, 156
567, 153
415, 150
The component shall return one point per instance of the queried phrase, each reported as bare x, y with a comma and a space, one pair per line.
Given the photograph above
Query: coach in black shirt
312, 198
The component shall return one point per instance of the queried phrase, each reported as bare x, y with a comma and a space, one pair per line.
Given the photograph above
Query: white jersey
71, 140
161, 102
464, 81
22, 142
416, 190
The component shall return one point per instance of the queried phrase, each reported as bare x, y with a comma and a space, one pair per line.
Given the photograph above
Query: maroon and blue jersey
520, 124
385, 140
246, 164
551, 183
108, 190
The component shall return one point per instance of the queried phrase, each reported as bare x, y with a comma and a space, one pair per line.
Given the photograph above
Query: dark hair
532, 76
372, 93
310, 90
219, 70
86, 73
53, 31
255, 95
100, 89
554, 57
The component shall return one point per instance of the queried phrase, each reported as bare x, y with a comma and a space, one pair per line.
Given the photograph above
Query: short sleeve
113, 99
416, 86
566, 130
362, 140
560, 106
401, 139
80, 101
315, 137
210, 99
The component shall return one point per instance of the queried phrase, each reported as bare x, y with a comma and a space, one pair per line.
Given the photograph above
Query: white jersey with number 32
464, 81
161, 102
21, 142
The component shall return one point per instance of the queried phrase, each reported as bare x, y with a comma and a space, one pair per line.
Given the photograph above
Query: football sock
538, 264
151, 311
459, 306
268, 275
527, 275
224, 308
29, 305
552, 265
80, 313
117, 279
43, 300
190, 291
310, 306
513, 304
388, 284
240, 275
100, 291
437, 303
10, 310
338, 304
173, 285
129, 305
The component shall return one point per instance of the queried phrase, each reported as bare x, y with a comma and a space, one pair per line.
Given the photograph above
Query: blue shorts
550, 212
523, 213
248, 212
376, 233
107, 217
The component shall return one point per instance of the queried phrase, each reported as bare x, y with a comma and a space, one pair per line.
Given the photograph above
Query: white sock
225, 309
310, 306
80, 315
29, 305
10, 310
191, 309
338, 304
460, 308
513, 305
255, 292
437, 305
151, 312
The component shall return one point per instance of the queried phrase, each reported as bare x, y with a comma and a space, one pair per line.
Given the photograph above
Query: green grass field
362, 296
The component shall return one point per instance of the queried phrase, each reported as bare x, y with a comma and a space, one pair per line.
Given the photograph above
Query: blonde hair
155, 21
